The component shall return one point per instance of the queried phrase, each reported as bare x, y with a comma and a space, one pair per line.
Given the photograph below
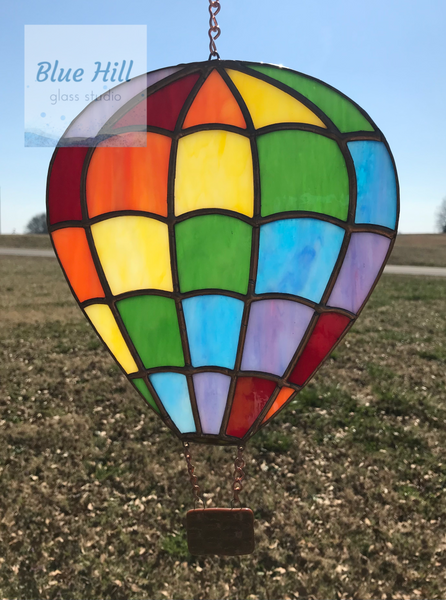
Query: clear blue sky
387, 55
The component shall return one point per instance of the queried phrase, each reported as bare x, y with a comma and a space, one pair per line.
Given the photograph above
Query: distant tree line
37, 224
441, 216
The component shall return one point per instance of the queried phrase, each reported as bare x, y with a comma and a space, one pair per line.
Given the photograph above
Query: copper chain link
239, 474
196, 491
214, 29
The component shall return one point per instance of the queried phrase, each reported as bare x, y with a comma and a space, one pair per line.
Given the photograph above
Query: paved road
26, 252
409, 270
390, 269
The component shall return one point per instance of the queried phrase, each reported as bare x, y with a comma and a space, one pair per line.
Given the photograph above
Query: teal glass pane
297, 256
376, 183
173, 392
213, 329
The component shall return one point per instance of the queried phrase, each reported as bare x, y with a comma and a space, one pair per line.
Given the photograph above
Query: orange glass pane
74, 254
283, 396
214, 103
129, 178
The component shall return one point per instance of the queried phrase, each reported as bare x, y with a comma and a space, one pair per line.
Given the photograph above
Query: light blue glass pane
211, 391
213, 329
297, 256
173, 392
377, 194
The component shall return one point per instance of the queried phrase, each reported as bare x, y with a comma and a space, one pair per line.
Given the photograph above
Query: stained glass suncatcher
223, 259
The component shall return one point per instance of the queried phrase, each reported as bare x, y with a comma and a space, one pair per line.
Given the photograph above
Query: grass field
422, 249
411, 249
25, 241
347, 485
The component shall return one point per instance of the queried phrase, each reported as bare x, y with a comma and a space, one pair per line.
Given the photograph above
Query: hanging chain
214, 29
239, 474
196, 491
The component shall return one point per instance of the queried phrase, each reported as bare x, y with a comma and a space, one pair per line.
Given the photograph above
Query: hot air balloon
222, 231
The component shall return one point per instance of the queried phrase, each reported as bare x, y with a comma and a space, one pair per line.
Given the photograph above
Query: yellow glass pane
214, 170
103, 320
134, 253
268, 105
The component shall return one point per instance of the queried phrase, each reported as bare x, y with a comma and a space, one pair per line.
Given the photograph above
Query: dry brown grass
423, 249
348, 484
25, 241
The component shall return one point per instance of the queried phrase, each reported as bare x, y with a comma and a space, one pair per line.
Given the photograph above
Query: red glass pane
64, 186
163, 107
251, 395
328, 330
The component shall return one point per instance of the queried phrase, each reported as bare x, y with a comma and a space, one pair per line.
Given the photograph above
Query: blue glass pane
173, 392
213, 329
211, 391
377, 193
297, 256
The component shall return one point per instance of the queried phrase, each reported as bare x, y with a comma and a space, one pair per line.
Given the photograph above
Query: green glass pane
142, 388
213, 251
152, 323
344, 114
300, 170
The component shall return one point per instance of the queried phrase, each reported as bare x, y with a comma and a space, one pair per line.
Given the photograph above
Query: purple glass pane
211, 391
275, 328
94, 117
365, 256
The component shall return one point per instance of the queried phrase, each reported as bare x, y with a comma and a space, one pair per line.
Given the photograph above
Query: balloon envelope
222, 227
